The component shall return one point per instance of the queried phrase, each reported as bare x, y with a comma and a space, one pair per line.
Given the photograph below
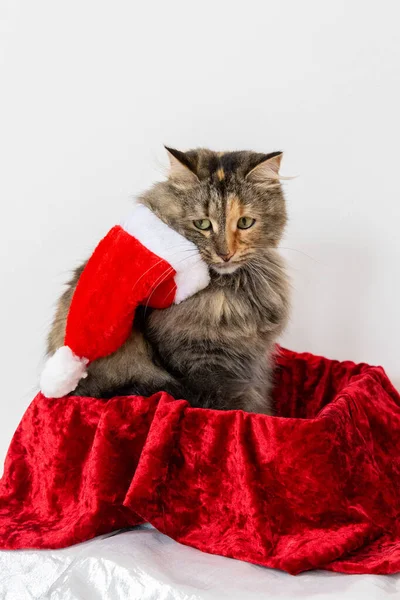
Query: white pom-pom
62, 373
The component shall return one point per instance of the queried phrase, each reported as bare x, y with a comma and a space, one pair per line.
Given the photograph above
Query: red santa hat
141, 261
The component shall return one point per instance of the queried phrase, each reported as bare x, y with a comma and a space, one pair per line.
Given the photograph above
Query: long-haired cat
216, 348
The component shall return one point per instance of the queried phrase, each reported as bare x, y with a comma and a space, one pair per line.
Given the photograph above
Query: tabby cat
216, 348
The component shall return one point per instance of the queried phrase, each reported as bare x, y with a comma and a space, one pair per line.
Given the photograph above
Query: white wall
90, 90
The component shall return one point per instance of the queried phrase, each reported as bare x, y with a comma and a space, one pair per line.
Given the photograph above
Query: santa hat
142, 261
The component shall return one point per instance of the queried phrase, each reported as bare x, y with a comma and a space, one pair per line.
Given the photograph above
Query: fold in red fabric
315, 487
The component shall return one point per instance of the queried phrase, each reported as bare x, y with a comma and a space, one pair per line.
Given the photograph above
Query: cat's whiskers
261, 274
180, 249
163, 277
300, 252
159, 281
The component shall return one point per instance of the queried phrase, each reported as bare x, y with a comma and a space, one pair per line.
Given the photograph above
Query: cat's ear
180, 170
267, 169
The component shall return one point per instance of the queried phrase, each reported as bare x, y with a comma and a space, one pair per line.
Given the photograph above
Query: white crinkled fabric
143, 564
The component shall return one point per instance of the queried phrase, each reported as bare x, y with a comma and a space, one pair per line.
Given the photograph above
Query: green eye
245, 222
203, 224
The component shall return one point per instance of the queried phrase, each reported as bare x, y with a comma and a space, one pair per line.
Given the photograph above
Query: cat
215, 349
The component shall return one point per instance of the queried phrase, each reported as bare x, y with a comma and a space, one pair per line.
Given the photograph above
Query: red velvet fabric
315, 487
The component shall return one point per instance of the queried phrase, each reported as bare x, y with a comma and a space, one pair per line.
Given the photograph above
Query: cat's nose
226, 257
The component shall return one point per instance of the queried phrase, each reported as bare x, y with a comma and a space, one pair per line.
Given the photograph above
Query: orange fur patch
220, 174
234, 210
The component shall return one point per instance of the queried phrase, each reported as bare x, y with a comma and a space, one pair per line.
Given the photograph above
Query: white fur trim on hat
192, 272
191, 281
62, 373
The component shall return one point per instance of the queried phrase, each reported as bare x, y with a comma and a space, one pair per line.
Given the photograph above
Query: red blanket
316, 487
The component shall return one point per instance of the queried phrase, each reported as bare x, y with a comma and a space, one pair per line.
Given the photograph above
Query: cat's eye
245, 222
203, 224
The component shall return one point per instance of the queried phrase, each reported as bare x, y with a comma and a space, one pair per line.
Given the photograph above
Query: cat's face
229, 204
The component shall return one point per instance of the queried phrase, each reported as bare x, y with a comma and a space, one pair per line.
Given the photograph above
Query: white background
90, 90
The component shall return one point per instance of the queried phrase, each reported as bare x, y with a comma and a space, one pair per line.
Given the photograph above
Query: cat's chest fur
235, 315
213, 314
218, 343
